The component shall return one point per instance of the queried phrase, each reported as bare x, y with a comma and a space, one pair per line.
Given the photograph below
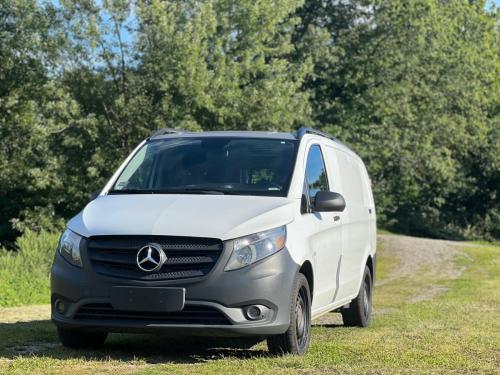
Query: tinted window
316, 178
228, 165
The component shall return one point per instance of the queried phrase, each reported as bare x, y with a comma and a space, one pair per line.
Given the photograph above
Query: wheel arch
307, 270
370, 263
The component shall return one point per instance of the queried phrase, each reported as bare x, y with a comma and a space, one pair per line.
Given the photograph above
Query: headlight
250, 249
69, 247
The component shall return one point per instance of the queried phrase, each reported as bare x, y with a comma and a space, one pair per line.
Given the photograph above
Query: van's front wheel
296, 339
358, 313
77, 339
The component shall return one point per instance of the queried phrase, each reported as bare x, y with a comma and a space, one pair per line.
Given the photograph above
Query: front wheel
296, 339
78, 339
359, 312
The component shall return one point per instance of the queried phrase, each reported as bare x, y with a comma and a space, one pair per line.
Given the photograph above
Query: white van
221, 233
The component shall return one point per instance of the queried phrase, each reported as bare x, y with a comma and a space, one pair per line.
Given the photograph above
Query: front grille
187, 257
189, 315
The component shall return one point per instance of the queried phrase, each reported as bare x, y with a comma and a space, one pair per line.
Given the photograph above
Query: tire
76, 339
296, 339
358, 314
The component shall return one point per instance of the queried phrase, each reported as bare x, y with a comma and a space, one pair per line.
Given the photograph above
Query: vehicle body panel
215, 216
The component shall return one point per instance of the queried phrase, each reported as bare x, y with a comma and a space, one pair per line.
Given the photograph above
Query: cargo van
251, 234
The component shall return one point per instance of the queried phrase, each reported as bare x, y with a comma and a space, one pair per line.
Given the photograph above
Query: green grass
456, 331
383, 231
487, 243
24, 273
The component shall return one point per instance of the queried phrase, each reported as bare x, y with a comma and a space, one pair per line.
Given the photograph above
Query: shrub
24, 274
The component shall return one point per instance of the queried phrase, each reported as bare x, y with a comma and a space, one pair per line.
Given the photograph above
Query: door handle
336, 218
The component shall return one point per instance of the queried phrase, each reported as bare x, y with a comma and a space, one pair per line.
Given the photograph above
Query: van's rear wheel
77, 339
359, 312
296, 339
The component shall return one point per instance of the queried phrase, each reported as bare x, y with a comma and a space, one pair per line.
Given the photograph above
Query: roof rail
167, 131
305, 130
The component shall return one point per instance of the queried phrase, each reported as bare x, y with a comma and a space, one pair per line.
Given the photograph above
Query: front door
324, 230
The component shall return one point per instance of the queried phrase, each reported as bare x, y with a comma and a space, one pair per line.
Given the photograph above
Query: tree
29, 108
191, 65
223, 64
413, 86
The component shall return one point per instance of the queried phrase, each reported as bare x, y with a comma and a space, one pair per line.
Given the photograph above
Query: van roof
169, 133
298, 135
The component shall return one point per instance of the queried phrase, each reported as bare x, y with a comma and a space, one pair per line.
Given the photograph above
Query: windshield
210, 165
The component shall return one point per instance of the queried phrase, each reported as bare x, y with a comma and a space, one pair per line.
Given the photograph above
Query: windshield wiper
170, 191
131, 191
204, 191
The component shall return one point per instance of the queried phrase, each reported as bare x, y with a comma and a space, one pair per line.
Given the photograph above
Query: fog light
254, 312
60, 306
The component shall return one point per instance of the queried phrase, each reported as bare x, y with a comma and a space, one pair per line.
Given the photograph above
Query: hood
216, 216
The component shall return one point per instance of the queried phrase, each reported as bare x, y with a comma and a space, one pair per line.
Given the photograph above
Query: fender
368, 258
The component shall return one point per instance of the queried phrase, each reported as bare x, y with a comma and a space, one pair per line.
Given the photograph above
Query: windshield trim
264, 193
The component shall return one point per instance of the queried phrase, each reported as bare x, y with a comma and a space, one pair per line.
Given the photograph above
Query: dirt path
433, 258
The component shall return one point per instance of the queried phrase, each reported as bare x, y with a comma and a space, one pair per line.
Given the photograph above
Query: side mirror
328, 201
94, 195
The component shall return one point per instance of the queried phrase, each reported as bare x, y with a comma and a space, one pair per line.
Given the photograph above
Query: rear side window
316, 178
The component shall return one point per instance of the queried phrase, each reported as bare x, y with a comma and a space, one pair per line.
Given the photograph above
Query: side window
136, 172
316, 178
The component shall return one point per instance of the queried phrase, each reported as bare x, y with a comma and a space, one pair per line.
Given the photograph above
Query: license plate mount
129, 298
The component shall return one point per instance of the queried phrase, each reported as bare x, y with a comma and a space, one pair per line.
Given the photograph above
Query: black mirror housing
328, 201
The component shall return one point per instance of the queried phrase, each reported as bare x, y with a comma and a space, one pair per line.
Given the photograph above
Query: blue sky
496, 2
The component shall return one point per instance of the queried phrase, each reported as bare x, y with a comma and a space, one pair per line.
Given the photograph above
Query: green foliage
189, 65
24, 274
25, 100
413, 86
224, 64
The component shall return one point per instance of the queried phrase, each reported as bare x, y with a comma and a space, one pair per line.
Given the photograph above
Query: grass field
436, 310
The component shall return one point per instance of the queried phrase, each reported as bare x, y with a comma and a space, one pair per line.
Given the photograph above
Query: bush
24, 274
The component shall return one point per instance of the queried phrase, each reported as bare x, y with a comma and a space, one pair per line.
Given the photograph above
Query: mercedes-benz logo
151, 257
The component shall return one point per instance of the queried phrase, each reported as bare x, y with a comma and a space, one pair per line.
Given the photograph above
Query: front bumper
267, 283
